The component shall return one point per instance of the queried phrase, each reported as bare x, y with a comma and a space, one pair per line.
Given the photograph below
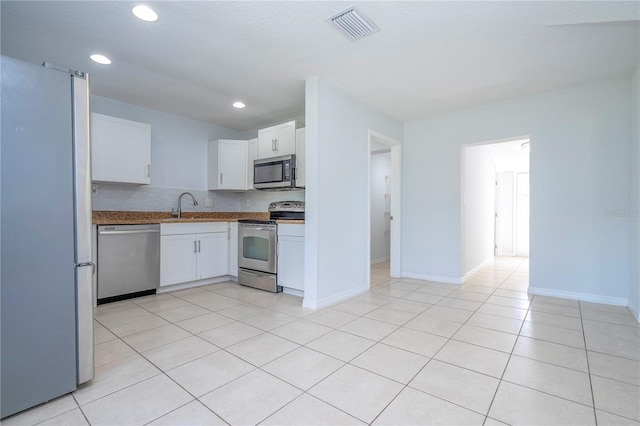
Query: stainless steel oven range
258, 246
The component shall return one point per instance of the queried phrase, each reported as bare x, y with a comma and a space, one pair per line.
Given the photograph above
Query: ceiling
429, 57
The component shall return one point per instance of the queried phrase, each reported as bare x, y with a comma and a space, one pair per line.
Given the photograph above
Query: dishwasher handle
137, 231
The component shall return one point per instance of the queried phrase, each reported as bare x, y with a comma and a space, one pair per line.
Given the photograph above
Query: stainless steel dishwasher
128, 261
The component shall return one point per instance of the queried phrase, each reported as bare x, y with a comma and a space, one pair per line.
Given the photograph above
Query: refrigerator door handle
84, 330
84, 241
84, 264
82, 169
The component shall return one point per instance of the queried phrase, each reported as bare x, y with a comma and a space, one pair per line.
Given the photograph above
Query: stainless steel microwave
275, 173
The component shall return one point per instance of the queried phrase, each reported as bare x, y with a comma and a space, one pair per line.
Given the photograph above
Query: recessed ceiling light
101, 59
238, 105
145, 13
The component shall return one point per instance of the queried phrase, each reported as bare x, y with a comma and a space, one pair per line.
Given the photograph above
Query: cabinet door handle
220, 178
198, 246
148, 170
195, 246
277, 148
273, 144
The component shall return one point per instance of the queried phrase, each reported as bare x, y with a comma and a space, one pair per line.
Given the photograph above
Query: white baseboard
332, 300
380, 260
482, 265
427, 277
585, 297
199, 283
293, 291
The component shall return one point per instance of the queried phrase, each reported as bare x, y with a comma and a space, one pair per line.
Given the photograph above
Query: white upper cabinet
252, 150
277, 140
300, 160
120, 150
227, 164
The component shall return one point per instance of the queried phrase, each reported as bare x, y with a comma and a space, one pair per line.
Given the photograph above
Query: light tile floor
380, 273
405, 352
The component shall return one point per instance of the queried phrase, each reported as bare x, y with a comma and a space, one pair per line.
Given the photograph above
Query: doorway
384, 206
495, 202
380, 213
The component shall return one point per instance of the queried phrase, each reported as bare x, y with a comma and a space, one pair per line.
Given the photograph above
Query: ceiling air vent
353, 24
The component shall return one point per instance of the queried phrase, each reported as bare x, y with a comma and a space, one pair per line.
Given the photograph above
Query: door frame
517, 215
395, 194
463, 209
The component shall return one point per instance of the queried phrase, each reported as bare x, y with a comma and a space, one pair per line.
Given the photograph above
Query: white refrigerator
46, 264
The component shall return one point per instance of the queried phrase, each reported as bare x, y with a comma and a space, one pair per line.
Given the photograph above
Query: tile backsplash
113, 196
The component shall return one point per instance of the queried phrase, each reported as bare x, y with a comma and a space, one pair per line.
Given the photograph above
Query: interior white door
522, 214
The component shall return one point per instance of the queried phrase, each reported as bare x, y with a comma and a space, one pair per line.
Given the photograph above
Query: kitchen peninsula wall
178, 164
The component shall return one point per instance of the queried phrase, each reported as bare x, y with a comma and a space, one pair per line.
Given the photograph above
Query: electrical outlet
248, 203
208, 202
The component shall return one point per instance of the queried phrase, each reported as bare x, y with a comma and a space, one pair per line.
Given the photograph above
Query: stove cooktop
259, 222
287, 210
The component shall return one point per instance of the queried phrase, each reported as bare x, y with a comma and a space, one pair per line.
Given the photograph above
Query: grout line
387, 300
586, 352
508, 360
80, 408
449, 339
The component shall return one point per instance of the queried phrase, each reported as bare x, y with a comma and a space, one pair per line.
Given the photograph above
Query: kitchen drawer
290, 229
192, 228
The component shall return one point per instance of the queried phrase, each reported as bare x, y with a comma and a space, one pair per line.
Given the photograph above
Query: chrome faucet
178, 212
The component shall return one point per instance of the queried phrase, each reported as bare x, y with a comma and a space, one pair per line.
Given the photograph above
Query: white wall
478, 208
380, 168
579, 169
634, 197
336, 252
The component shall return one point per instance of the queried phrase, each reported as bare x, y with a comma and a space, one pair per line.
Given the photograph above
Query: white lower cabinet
233, 249
193, 251
291, 256
177, 259
212, 258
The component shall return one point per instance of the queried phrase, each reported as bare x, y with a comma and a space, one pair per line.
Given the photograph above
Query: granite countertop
107, 217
